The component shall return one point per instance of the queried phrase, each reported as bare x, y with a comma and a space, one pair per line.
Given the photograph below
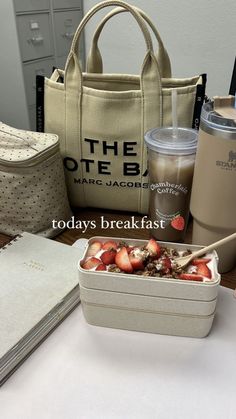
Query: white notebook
38, 288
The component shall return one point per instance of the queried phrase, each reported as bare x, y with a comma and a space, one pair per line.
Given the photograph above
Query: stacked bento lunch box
148, 304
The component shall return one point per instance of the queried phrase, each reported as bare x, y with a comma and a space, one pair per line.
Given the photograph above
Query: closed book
38, 289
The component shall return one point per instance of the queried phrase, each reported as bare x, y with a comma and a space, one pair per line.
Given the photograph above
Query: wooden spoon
183, 261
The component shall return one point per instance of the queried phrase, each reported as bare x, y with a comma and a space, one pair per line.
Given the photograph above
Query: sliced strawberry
197, 262
91, 263
129, 249
136, 262
202, 269
191, 277
94, 248
108, 257
178, 223
153, 248
122, 260
109, 245
101, 267
166, 263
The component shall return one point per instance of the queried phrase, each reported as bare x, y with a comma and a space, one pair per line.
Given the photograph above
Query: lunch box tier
150, 286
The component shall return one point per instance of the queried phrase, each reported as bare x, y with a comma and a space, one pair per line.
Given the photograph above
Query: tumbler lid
214, 123
167, 140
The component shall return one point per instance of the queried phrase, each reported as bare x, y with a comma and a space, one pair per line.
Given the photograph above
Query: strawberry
196, 262
202, 269
136, 261
108, 257
122, 260
91, 263
109, 245
166, 263
101, 267
94, 248
153, 248
191, 277
178, 223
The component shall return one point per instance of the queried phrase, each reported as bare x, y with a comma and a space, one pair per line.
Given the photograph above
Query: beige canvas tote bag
101, 120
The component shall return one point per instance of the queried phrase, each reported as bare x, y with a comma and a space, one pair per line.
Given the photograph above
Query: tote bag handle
94, 61
150, 68
150, 79
74, 46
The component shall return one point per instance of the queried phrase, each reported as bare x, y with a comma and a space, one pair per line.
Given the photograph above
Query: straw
174, 113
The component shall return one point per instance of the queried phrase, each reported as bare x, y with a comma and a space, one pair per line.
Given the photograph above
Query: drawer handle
68, 35
36, 40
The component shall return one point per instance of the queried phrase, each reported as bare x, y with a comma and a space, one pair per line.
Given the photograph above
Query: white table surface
82, 371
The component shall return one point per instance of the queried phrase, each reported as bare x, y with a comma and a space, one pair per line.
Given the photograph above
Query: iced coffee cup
171, 158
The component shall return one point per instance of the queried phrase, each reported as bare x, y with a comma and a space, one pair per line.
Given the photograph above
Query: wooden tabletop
69, 236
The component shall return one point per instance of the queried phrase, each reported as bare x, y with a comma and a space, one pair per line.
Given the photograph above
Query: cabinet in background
45, 30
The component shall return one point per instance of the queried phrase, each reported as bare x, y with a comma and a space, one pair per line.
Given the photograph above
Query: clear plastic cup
171, 159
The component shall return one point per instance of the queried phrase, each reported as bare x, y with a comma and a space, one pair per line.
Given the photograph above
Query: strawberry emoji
178, 223
94, 248
91, 263
122, 260
108, 257
202, 269
153, 248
